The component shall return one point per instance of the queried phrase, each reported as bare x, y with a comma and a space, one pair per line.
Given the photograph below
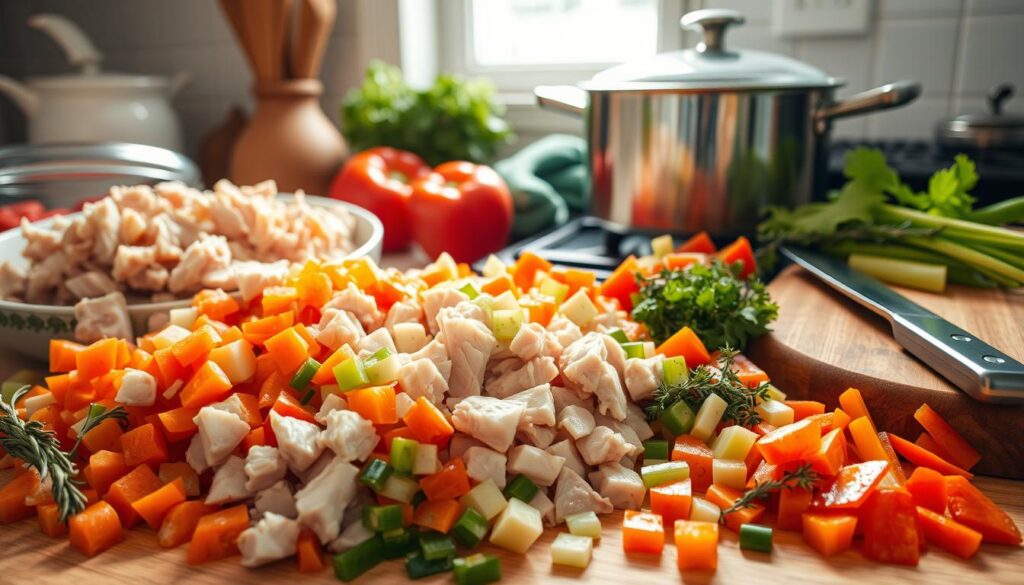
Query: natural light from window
555, 32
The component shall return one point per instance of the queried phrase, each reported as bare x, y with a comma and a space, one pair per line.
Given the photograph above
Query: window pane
537, 32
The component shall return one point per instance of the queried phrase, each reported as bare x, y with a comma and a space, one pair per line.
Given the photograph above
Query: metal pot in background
993, 131
707, 138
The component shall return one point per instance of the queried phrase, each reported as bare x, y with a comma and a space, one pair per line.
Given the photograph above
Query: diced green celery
674, 370
403, 454
350, 374
678, 418
470, 528
383, 371
469, 290
435, 545
619, 335
664, 473
655, 449
375, 473
381, 354
634, 349
756, 537
400, 542
417, 567
400, 488
359, 559
304, 374
506, 323
15, 382
584, 524
382, 518
477, 569
552, 288
520, 487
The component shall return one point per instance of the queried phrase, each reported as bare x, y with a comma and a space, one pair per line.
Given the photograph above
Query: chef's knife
977, 368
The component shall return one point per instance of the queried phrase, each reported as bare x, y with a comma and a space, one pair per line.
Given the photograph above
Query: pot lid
103, 80
711, 64
993, 130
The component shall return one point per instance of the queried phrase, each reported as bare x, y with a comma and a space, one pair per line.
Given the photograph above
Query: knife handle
980, 370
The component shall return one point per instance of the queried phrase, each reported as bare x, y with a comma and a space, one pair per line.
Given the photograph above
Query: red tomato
30, 209
8, 219
462, 208
740, 251
379, 180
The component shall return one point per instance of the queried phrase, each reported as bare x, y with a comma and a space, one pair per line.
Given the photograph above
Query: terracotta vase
289, 139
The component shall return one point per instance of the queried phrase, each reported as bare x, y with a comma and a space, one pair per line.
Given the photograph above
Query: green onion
678, 419
304, 374
520, 487
308, 396
756, 537
469, 290
656, 449
619, 335
417, 567
663, 473
400, 542
470, 528
674, 370
477, 569
375, 473
435, 545
359, 559
382, 518
403, 454
350, 375
634, 349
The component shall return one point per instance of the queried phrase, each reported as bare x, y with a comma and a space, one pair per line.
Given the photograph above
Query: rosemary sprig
704, 380
803, 477
93, 418
39, 448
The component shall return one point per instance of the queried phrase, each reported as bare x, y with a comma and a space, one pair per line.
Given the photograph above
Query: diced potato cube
183, 317
729, 473
485, 498
702, 510
584, 524
506, 301
494, 267
425, 462
662, 245
409, 337
579, 308
776, 394
169, 336
400, 488
649, 349
572, 550
734, 443
708, 417
518, 526
506, 323
237, 359
775, 412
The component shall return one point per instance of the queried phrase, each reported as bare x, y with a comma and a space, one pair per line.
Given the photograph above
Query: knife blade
980, 370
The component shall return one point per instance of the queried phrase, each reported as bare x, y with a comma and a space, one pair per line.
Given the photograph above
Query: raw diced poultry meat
338, 328
381, 338
606, 321
545, 506
567, 451
226, 214
90, 284
204, 255
574, 495
533, 373
565, 397
422, 378
220, 432
621, 485
469, 343
628, 434
588, 368
278, 499
565, 331
539, 405
460, 443
637, 420
541, 467
491, 420
43, 278
603, 445
350, 436
297, 440
436, 299
195, 455
132, 260
232, 404
138, 388
403, 403
253, 277
643, 376
164, 234
105, 220
133, 226
272, 538
153, 278
404, 311
263, 467
331, 403
533, 341
105, 316
436, 352
139, 198
353, 534
229, 482
40, 243
223, 278
576, 421
12, 281
360, 304
321, 503
483, 464
539, 436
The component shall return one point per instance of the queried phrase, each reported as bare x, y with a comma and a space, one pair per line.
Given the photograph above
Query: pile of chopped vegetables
417, 416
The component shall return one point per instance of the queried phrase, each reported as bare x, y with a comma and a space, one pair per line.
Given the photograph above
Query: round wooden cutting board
823, 343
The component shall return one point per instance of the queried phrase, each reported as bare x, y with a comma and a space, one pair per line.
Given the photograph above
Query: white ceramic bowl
27, 329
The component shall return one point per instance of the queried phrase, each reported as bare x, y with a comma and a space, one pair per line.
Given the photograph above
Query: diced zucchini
664, 473
435, 545
400, 488
470, 528
520, 487
655, 449
775, 412
382, 518
403, 454
756, 537
350, 374
674, 370
554, 289
584, 524
517, 527
426, 461
400, 542
729, 473
702, 510
571, 550
506, 323
469, 290
485, 498
678, 419
418, 567
634, 349
359, 559
662, 245
734, 443
477, 569
619, 335
375, 473
579, 308
708, 417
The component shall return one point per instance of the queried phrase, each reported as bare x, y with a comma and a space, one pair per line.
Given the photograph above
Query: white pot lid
105, 80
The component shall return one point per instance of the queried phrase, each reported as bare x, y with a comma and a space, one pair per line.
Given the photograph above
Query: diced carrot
829, 534
286, 405
700, 243
58, 386
642, 532
196, 346
62, 355
923, 458
622, 284
376, 404
740, 251
271, 388
865, 437
314, 289
307, 552
105, 436
124, 355
209, 384
805, 408
106, 467
526, 268
925, 441
137, 483
216, 535
439, 515
427, 424
169, 367
852, 402
389, 436
12, 497
889, 518
231, 334
180, 470
49, 520
680, 260
180, 522
724, 497
851, 486
96, 359
258, 331
753, 461
696, 545
928, 488
960, 451
685, 343
895, 468
672, 501
970, 507
449, 483
746, 371
144, 444
387, 293
95, 529
325, 375
840, 420
698, 456
793, 502
215, 304
948, 534
831, 455
178, 423
577, 279
288, 349
314, 345
141, 359
154, 506
789, 443
257, 436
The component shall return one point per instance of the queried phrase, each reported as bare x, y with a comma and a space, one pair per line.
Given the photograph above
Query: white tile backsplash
923, 49
844, 57
918, 8
992, 52
994, 7
916, 120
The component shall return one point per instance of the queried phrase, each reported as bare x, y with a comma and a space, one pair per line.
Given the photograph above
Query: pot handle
564, 98
890, 95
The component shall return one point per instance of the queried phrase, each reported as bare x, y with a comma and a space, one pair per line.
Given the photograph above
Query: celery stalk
967, 255
929, 277
975, 231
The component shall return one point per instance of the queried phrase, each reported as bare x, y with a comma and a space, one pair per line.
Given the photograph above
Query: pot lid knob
713, 22
998, 95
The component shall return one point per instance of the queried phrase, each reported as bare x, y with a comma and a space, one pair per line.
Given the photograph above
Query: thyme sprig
803, 477
96, 415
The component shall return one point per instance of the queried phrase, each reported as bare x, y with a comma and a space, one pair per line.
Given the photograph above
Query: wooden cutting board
824, 343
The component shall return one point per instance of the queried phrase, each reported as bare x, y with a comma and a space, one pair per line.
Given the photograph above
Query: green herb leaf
802, 477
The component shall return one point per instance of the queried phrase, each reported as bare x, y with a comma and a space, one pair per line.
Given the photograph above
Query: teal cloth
548, 181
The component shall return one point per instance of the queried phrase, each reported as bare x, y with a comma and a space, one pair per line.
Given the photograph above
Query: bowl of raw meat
121, 265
